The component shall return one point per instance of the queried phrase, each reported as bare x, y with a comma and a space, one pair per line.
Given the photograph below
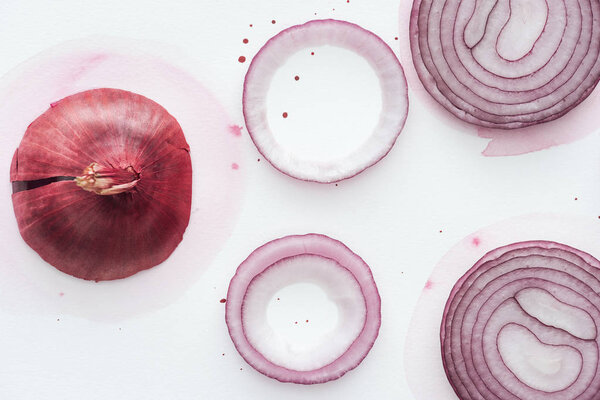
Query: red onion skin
588, 272
92, 236
290, 246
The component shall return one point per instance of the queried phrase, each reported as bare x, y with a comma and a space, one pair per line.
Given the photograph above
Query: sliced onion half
343, 276
507, 64
309, 35
523, 324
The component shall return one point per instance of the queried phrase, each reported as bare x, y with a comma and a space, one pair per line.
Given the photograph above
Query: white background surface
435, 179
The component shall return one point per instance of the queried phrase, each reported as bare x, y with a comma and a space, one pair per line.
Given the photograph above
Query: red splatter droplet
245, 41
222, 300
242, 59
223, 354
312, 53
241, 369
297, 78
476, 241
428, 285
285, 115
258, 160
396, 38
273, 21
440, 231
235, 166
250, 25
235, 130
575, 198
280, 299
296, 322
306, 320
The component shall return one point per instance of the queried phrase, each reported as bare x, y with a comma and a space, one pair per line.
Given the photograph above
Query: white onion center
270, 324
331, 110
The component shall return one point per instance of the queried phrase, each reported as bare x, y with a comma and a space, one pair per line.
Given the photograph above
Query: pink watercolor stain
578, 123
27, 91
235, 166
428, 285
476, 241
235, 130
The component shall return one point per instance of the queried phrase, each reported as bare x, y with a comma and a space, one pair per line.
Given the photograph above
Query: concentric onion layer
523, 324
313, 34
277, 263
93, 236
507, 64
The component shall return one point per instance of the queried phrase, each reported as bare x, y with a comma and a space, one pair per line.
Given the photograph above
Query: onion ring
319, 33
326, 262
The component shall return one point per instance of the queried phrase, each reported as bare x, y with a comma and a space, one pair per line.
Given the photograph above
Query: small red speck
476, 241
296, 322
280, 299
273, 21
235, 130
306, 320
258, 160
241, 369
396, 38
347, 1
428, 285
333, 9
223, 354
222, 300
250, 25
52, 105
285, 115
575, 198
245, 41
297, 78
235, 166
440, 231
61, 294
336, 184
312, 53
242, 59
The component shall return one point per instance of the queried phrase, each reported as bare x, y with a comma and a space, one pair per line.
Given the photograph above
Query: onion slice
507, 64
523, 324
328, 263
320, 33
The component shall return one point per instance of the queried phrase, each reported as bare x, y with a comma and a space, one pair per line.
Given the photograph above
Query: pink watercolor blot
476, 241
235, 166
428, 285
235, 130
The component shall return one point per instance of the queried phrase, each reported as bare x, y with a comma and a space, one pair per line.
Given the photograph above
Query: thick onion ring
319, 33
265, 257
